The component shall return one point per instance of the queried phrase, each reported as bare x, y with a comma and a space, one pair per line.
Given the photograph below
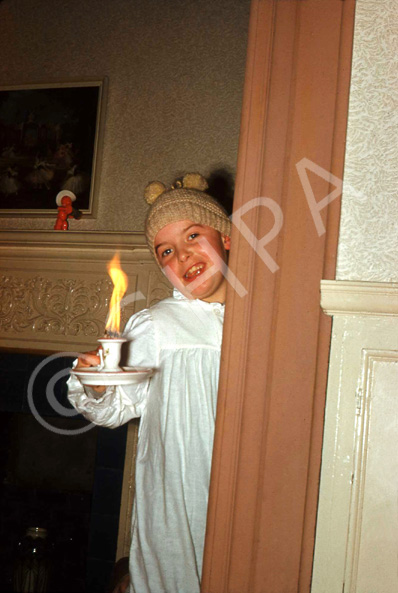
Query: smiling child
188, 233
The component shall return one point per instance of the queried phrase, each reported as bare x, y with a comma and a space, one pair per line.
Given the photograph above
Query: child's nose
183, 254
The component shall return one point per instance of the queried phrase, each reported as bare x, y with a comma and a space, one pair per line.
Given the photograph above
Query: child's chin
198, 292
188, 292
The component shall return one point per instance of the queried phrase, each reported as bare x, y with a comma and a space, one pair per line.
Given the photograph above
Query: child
188, 233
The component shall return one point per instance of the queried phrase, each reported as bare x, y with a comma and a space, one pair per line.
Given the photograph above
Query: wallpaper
175, 72
368, 244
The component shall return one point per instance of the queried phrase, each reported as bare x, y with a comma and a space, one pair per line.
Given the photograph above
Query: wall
368, 244
175, 70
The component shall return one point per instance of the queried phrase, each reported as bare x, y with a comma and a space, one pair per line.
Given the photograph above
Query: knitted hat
185, 200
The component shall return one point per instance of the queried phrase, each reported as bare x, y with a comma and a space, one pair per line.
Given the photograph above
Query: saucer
128, 376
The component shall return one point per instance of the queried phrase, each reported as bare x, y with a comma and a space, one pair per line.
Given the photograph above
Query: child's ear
226, 241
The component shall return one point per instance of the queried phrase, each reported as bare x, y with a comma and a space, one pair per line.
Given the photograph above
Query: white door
356, 548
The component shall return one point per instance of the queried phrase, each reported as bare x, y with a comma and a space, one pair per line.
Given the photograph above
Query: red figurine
65, 210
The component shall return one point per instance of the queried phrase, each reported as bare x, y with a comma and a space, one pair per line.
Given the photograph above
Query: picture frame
51, 137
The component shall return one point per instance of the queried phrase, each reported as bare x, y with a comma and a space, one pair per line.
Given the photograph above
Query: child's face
194, 257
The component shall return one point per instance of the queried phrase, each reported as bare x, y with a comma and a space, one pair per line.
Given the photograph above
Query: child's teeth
195, 270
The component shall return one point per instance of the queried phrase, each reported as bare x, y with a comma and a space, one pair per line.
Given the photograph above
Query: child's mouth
194, 271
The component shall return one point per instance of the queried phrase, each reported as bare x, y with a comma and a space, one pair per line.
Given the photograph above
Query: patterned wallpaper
368, 245
175, 70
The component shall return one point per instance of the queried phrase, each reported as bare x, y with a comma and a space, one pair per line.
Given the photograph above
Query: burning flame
119, 280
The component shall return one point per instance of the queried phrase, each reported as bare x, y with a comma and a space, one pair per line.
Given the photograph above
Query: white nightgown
181, 339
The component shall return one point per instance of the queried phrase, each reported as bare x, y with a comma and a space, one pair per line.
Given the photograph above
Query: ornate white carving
55, 290
368, 244
60, 307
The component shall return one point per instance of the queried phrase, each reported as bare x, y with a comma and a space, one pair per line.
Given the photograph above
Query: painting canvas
49, 141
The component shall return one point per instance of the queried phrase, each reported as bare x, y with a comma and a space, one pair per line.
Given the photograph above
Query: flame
119, 280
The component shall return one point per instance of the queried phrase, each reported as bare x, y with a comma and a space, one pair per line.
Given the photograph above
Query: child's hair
185, 200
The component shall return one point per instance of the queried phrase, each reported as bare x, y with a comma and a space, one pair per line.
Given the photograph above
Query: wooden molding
267, 450
363, 298
12, 241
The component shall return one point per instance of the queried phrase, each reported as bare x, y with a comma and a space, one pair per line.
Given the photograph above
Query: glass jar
33, 562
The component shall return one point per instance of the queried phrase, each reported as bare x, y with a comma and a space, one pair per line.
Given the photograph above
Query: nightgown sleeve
119, 404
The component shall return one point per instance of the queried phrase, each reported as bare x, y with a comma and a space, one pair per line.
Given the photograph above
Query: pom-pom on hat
185, 200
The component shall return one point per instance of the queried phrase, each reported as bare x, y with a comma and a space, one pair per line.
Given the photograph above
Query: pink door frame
267, 451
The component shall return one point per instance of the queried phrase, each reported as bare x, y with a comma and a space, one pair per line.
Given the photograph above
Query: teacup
110, 354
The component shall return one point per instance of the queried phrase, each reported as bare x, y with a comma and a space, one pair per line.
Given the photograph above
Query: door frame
268, 440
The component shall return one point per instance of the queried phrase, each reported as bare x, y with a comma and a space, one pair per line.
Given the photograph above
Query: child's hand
90, 359
122, 585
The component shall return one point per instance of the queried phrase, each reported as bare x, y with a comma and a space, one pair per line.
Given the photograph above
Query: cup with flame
110, 352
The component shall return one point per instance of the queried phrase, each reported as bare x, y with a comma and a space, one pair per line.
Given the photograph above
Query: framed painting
50, 140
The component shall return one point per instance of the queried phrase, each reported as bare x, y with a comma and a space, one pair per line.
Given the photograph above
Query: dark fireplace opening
58, 472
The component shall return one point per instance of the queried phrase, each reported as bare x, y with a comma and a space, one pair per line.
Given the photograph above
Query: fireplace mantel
55, 288
54, 296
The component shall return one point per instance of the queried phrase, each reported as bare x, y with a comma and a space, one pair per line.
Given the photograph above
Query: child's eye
166, 252
193, 235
